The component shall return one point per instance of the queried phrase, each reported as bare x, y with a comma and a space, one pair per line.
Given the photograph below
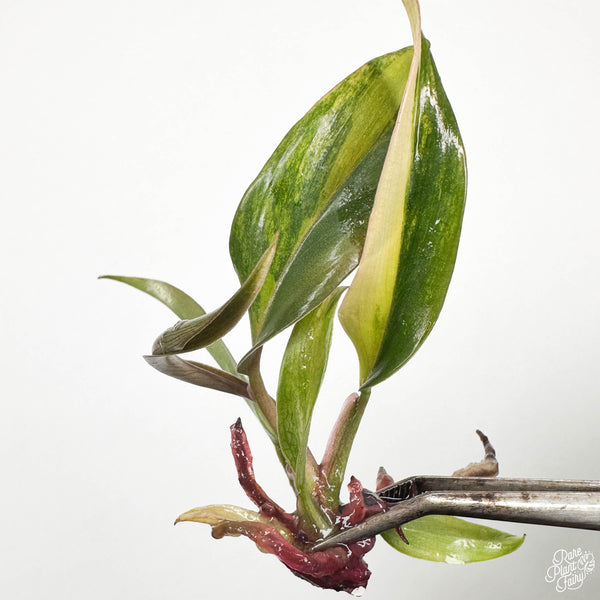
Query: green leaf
193, 334
450, 539
317, 189
301, 375
183, 306
199, 374
414, 228
300, 378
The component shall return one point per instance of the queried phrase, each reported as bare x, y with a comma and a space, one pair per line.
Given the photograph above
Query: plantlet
372, 178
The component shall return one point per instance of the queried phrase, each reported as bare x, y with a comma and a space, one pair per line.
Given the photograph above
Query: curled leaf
193, 334
414, 227
184, 306
452, 540
220, 514
199, 374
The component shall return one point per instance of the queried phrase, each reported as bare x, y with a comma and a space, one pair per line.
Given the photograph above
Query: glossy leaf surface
414, 228
184, 306
193, 334
317, 190
199, 374
302, 371
450, 539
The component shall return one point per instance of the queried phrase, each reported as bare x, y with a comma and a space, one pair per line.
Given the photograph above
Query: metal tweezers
556, 502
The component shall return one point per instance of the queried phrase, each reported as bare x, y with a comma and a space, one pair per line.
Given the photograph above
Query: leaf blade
193, 334
302, 371
213, 514
199, 374
317, 189
222, 514
367, 304
430, 243
184, 306
449, 539
414, 228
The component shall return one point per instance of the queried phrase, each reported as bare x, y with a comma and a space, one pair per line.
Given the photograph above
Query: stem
339, 445
265, 402
313, 514
265, 408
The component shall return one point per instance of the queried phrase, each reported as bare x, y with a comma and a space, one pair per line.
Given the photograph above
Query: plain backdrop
129, 131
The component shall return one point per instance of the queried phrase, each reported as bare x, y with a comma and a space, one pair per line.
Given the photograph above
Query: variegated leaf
414, 228
317, 190
184, 306
193, 334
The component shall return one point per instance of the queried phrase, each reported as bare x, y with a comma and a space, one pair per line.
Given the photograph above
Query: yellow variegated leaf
414, 227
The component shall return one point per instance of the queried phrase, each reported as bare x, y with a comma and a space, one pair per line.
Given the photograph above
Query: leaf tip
157, 346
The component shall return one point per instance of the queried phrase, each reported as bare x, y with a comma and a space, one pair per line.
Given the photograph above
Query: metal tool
556, 502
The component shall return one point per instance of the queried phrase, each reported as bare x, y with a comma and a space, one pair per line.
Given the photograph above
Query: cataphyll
372, 178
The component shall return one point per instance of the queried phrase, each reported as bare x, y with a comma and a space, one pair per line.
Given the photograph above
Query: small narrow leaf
317, 189
199, 374
184, 306
302, 370
220, 514
450, 539
213, 514
193, 334
414, 228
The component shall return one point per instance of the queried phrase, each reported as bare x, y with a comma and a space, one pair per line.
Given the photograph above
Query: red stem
243, 463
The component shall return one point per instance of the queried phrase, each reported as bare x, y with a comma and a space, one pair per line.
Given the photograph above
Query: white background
128, 133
